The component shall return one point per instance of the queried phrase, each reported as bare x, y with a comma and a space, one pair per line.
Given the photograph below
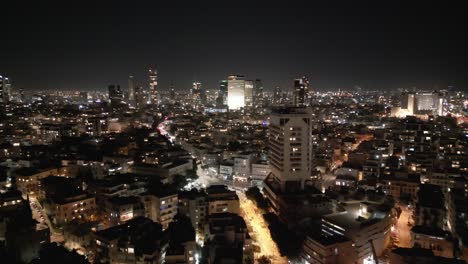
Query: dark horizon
87, 47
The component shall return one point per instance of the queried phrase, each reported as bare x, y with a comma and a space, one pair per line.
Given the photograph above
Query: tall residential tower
290, 160
301, 92
153, 86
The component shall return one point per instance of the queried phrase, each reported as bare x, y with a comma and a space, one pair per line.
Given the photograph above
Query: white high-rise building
153, 86
236, 92
290, 156
289, 186
301, 92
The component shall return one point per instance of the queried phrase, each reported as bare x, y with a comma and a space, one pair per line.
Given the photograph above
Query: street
40, 216
402, 229
254, 218
249, 211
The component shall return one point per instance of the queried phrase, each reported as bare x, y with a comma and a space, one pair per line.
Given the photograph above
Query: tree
264, 260
51, 253
254, 194
173, 129
179, 181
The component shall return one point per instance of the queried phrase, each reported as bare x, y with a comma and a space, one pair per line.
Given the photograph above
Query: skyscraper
140, 97
115, 96
301, 91
248, 93
131, 90
277, 96
236, 92
290, 147
196, 94
5, 92
172, 94
153, 87
290, 158
221, 101
258, 94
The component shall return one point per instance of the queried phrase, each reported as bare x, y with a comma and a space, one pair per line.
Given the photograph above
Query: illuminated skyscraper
221, 101
172, 94
290, 145
153, 87
236, 92
196, 94
258, 94
248, 93
301, 91
5, 92
131, 90
290, 156
277, 99
115, 96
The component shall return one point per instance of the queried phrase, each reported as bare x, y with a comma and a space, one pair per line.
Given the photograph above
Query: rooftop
327, 240
351, 219
140, 232
430, 231
69, 195
123, 200
431, 196
30, 171
290, 111
219, 222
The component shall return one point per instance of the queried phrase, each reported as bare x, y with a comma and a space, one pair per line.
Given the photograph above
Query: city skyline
374, 47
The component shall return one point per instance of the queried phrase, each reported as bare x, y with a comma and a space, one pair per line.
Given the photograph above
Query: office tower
248, 93
196, 94
140, 97
258, 94
301, 91
277, 96
290, 147
153, 87
221, 101
172, 94
5, 92
131, 90
236, 92
115, 96
196, 88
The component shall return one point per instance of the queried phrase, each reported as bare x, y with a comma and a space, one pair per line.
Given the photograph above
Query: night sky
88, 46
